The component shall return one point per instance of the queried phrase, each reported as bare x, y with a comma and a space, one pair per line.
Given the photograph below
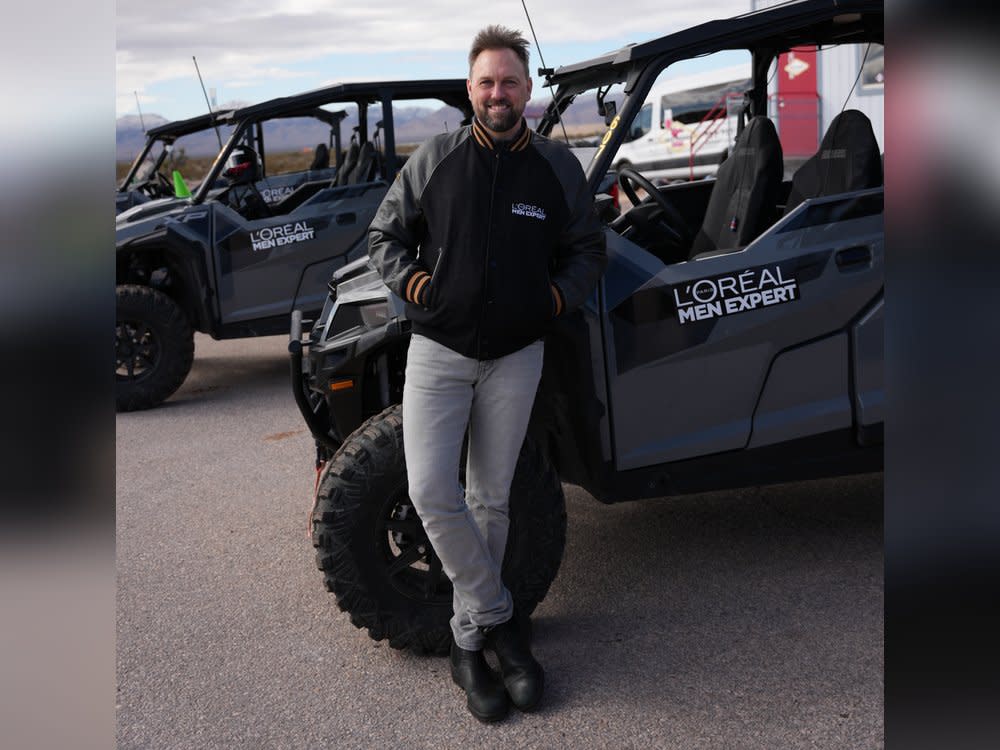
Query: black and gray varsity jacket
488, 241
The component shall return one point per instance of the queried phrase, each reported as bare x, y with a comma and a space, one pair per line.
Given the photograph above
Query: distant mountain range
413, 124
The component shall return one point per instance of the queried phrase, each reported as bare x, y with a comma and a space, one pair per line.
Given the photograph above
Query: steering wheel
652, 212
166, 184
156, 186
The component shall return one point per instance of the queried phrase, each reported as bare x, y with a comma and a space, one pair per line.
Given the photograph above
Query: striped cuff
416, 288
557, 300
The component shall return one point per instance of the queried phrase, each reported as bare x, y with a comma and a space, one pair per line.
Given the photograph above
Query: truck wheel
376, 558
154, 347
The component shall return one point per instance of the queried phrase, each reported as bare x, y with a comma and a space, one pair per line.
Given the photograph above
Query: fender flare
195, 285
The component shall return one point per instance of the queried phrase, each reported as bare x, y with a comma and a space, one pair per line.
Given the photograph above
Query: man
488, 234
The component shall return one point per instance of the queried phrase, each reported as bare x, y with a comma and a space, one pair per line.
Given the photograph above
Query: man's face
499, 89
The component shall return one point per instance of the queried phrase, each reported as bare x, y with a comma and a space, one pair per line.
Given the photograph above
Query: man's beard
499, 122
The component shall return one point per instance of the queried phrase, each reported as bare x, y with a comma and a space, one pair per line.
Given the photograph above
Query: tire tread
177, 340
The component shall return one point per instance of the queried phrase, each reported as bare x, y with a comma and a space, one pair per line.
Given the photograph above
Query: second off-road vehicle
233, 261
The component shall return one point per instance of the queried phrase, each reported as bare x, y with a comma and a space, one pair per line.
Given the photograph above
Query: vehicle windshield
191, 155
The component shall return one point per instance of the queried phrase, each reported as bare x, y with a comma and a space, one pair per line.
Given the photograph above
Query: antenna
141, 123
210, 113
540, 57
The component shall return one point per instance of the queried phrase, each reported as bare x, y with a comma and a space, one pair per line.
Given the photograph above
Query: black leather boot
484, 693
522, 675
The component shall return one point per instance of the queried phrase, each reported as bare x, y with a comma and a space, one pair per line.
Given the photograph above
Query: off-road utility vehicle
234, 261
735, 339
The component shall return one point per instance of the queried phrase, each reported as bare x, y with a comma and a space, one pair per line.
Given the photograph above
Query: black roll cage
451, 92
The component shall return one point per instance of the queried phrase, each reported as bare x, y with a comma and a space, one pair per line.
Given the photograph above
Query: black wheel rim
137, 350
411, 565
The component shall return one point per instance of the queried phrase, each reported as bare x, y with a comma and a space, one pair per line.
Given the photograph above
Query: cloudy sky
270, 49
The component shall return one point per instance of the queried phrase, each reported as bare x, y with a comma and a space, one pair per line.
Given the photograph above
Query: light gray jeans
445, 393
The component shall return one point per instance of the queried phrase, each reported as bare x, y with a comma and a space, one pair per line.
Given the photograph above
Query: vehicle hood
145, 210
148, 218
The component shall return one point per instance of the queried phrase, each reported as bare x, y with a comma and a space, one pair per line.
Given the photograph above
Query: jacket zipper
486, 259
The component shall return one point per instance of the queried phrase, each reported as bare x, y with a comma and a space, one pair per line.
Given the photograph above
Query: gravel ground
743, 619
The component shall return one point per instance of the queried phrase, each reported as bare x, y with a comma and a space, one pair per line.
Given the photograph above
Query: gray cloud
155, 42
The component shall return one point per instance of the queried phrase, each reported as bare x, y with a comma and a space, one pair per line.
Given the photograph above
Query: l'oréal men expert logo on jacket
526, 209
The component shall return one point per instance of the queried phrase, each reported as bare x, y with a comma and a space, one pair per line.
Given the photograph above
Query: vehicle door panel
689, 350
806, 393
262, 263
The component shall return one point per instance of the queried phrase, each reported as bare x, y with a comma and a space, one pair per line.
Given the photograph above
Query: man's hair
499, 37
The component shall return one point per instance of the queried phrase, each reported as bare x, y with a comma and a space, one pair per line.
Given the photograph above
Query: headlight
375, 315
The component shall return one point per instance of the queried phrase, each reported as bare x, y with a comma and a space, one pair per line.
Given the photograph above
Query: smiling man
488, 234
499, 88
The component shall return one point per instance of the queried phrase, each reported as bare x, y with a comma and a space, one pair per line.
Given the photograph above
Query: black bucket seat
848, 159
366, 164
744, 198
350, 161
321, 157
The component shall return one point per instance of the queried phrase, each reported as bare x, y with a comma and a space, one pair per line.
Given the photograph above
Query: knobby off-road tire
374, 553
154, 347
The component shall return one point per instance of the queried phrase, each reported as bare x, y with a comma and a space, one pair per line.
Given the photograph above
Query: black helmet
242, 166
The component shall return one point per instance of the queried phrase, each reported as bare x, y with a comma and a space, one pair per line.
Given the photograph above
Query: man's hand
557, 300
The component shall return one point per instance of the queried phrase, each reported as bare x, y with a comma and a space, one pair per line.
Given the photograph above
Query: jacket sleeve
394, 237
582, 249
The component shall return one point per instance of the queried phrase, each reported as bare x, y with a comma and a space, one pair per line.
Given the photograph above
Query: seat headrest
362, 171
848, 159
321, 157
350, 160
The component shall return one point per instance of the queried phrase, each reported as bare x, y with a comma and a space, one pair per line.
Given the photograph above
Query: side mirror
610, 110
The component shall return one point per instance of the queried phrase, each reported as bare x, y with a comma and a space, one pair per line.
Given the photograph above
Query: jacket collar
518, 143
